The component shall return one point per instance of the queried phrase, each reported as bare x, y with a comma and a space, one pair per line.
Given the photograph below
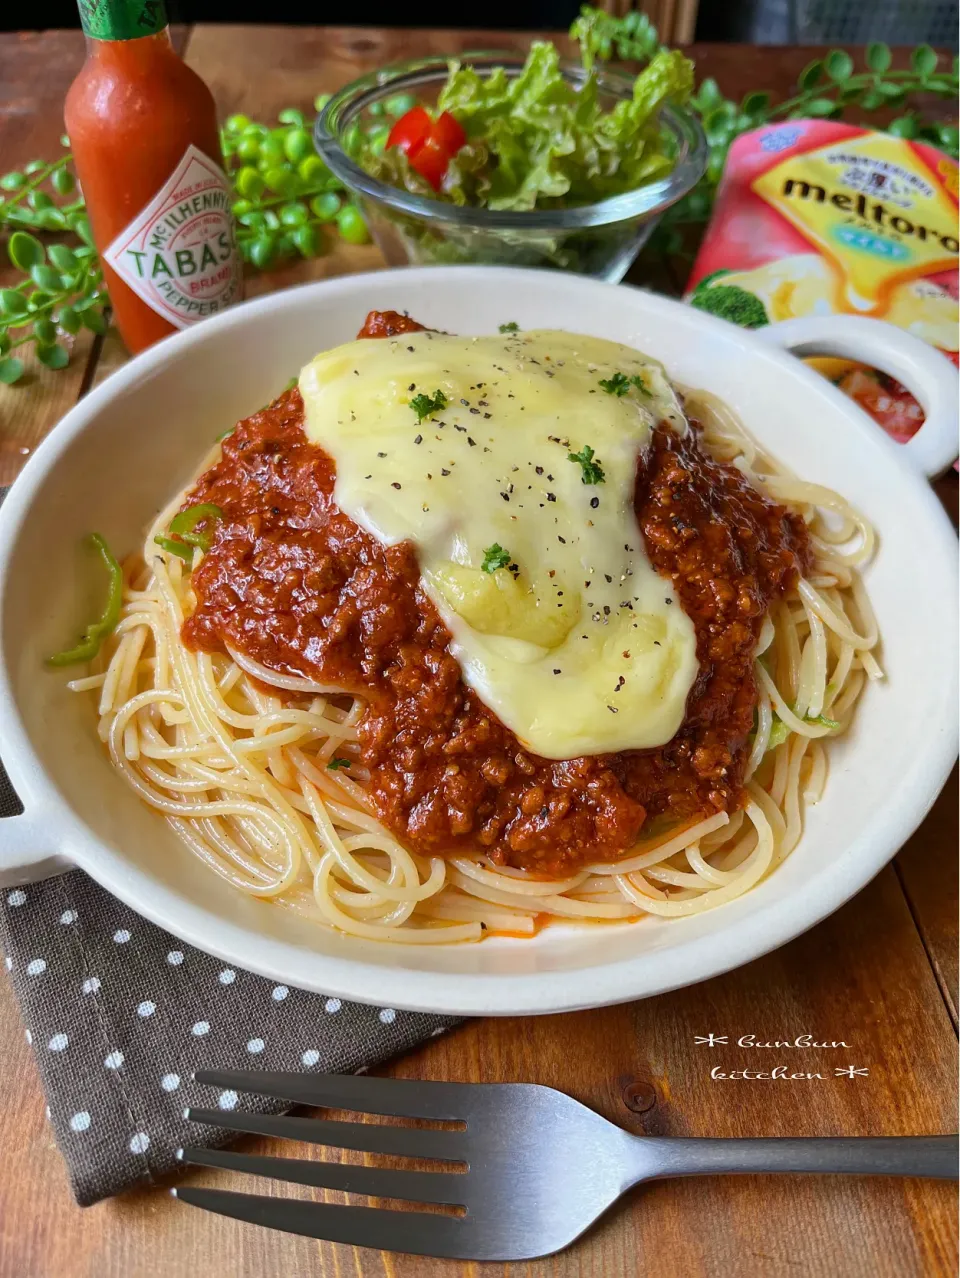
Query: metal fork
537, 1168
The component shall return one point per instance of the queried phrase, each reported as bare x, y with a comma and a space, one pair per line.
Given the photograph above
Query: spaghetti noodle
260, 773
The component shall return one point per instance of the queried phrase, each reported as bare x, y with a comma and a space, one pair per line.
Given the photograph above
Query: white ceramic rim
29, 843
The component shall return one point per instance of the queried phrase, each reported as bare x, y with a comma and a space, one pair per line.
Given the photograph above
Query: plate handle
24, 852
925, 371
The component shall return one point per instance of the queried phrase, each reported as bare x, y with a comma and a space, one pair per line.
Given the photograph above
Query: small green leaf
904, 126
325, 207
68, 319
63, 181
34, 167
94, 321
294, 214
878, 57
924, 60
82, 228
62, 257
21, 216
838, 65
12, 182
39, 200
871, 100
889, 89
11, 370
942, 84
12, 302
313, 170
262, 252
811, 75
46, 277
4, 343
724, 114
249, 183
51, 220
53, 356
306, 241
708, 95
45, 331
819, 108
24, 250
281, 181
848, 94
755, 103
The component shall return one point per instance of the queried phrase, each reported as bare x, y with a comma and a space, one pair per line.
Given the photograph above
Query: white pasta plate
118, 456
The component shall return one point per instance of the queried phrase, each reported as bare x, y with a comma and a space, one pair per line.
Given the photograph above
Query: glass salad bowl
599, 240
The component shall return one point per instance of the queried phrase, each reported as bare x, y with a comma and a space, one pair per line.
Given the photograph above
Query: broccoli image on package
730, 302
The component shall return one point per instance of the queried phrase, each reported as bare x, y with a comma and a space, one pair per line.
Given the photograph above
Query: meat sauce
295, 584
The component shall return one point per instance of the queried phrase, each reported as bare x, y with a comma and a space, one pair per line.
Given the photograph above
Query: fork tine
403, 1097
376, 1182
419, 1233
374, 1138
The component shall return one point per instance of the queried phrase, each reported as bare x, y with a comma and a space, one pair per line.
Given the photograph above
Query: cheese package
815, 217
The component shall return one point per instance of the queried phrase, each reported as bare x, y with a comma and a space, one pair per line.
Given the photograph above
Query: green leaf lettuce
537, 141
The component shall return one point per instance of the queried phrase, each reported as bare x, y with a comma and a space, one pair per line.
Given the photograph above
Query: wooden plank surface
880, 975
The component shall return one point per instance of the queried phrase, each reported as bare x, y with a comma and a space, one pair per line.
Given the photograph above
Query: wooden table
880, 975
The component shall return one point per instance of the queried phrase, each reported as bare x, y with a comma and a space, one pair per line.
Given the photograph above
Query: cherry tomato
410, 130
431, 161
448, 133
429, 145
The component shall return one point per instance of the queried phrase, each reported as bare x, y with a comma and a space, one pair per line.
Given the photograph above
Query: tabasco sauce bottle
143, 131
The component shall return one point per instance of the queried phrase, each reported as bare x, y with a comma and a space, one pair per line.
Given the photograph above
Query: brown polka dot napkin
120, 1014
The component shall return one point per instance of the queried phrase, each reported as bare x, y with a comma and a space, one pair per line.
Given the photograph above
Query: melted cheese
575, 642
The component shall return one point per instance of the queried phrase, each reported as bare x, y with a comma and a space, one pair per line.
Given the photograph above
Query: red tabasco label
179, 253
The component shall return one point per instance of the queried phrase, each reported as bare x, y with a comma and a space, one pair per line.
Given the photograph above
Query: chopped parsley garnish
620, 383
494, 557
425, 405
592, 471
336, 763
512, 327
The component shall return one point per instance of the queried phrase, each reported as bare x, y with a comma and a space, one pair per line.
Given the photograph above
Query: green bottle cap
122, 19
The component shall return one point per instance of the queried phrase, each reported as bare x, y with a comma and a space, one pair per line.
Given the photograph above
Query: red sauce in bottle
143, 131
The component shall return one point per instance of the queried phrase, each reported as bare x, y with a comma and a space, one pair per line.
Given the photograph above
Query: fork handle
935, 1156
